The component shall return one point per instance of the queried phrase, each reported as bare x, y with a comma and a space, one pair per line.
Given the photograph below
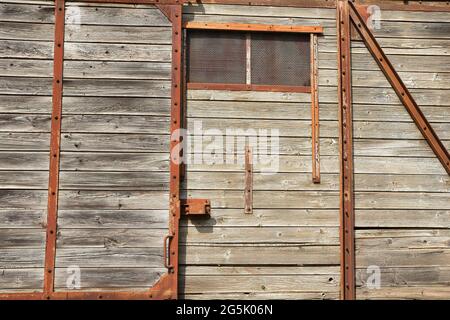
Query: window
248, 60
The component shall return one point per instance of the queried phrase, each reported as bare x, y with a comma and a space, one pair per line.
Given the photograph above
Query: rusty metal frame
400, 89
347, 214
246, 87
315, 110
167, 286
250, 28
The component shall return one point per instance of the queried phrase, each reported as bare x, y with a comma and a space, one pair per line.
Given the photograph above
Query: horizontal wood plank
119, 218
272, 255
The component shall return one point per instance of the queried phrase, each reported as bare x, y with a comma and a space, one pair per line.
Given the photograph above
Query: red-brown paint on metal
175, 141
55, 139
163, 2
248, 188
166, 10
363, 11
400, 89
347, 214
315, 111
195, 207
247, 87
22, 296
273, 3
251, 27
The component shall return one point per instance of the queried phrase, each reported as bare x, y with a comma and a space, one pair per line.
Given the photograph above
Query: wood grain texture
28, 49
16, 218
114, 162
109, 257
22, 238
21, 279
16, 12
118, 34
116, 15
272, 255
111, 238
110, 278
111, 88
394, 218
97, 219
116, 70
115, 124
116, 52
114, 142
263, 235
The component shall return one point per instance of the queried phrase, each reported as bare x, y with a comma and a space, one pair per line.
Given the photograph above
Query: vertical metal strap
347, 230
175, 140
248, 192
315, 111
53, 183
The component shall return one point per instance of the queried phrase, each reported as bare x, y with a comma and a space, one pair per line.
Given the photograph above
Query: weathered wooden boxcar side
90, 98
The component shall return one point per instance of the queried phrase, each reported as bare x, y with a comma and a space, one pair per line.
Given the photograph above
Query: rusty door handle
167, 240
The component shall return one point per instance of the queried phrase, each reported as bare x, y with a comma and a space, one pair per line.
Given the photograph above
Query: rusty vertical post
175, 141
315, 111
347, 230
55, 138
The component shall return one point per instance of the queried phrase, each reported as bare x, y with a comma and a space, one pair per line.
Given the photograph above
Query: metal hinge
195, 207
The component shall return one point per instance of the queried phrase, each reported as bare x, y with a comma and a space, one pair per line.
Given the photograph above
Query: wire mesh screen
280, 59
216, 56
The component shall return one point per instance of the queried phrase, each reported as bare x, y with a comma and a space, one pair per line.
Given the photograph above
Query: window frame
254, 28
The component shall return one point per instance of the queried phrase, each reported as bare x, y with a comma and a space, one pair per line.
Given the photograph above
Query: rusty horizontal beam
252, 27
162, 2
246, 87
400, 89
273, 3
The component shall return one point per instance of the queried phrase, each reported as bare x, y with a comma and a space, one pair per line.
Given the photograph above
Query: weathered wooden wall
289, 246
113, 208
26, 60
402, 191
114, 160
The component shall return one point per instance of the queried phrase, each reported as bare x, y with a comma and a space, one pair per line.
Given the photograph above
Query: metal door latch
195, 207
